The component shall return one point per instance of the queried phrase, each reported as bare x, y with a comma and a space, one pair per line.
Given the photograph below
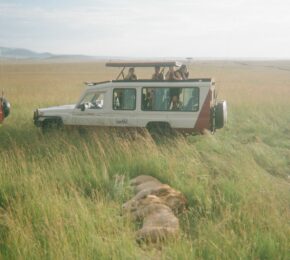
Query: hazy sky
195, 28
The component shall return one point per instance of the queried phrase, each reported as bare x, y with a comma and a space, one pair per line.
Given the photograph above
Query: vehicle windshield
93, 100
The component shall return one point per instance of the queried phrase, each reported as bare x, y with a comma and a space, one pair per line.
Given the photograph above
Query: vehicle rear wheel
159, 129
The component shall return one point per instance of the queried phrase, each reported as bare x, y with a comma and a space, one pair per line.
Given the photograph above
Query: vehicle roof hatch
142, 64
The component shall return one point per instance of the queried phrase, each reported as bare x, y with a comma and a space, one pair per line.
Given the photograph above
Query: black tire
51, 124
159, 129
220, 114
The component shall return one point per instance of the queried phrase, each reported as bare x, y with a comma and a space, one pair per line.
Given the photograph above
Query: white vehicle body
85, 114
186, 105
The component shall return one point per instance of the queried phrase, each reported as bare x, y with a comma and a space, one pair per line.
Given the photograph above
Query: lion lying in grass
155, 204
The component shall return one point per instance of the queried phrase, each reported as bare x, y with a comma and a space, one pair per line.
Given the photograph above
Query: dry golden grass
238, 82
60, 193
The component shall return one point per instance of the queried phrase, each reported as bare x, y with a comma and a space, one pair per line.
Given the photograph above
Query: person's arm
167, 75
177, 76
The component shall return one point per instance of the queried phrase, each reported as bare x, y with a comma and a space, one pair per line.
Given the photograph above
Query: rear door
184, 107
178, 106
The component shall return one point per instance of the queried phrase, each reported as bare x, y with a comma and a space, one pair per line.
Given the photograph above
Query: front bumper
36, 118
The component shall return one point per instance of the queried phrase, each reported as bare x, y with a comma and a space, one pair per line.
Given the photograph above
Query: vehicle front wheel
51, 124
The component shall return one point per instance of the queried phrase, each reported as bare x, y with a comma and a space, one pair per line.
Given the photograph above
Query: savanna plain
61, 192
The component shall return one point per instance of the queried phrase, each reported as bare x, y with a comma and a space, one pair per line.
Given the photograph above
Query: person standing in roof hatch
131, 75
157, 75
172, 74
183, 72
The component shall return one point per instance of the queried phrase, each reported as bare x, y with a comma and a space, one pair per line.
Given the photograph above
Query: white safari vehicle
142, 103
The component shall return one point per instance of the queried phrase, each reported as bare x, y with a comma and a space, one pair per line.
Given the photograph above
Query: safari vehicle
142, 103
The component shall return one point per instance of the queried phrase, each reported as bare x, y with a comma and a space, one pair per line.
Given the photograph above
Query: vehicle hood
62, 109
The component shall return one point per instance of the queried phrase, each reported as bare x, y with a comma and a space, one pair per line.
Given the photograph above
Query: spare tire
221, 114
6, 107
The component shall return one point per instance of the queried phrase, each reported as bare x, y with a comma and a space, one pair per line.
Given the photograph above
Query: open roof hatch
123, 65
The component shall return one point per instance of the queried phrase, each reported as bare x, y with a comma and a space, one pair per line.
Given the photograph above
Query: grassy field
61, 193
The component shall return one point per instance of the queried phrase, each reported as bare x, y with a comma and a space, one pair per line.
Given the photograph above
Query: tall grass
61, 193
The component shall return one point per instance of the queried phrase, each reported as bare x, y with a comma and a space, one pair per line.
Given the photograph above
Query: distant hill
20, 53
25, 54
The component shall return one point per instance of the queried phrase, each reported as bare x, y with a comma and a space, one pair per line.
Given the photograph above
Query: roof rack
124, 64
144, 64
171, 81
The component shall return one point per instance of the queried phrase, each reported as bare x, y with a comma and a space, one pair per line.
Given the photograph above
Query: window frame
178, 111
135, 105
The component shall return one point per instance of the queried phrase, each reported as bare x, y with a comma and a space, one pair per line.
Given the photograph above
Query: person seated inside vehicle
183, 72
172, 74
148, 101
175, 104
157, 75
117, 100
131, 75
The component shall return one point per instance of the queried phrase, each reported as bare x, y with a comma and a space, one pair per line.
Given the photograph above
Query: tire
51, 124
220, 114
159, 128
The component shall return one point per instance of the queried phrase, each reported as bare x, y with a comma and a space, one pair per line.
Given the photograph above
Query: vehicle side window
124, 99
190, 97
170, 99
94, 100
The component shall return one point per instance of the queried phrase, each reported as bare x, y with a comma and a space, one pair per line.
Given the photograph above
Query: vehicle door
154, 105
123, 107
184, 107
90, 110
176, 105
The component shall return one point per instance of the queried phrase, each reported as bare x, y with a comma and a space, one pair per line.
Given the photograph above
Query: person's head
174, 99
183, 68
131, 70
157, 69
